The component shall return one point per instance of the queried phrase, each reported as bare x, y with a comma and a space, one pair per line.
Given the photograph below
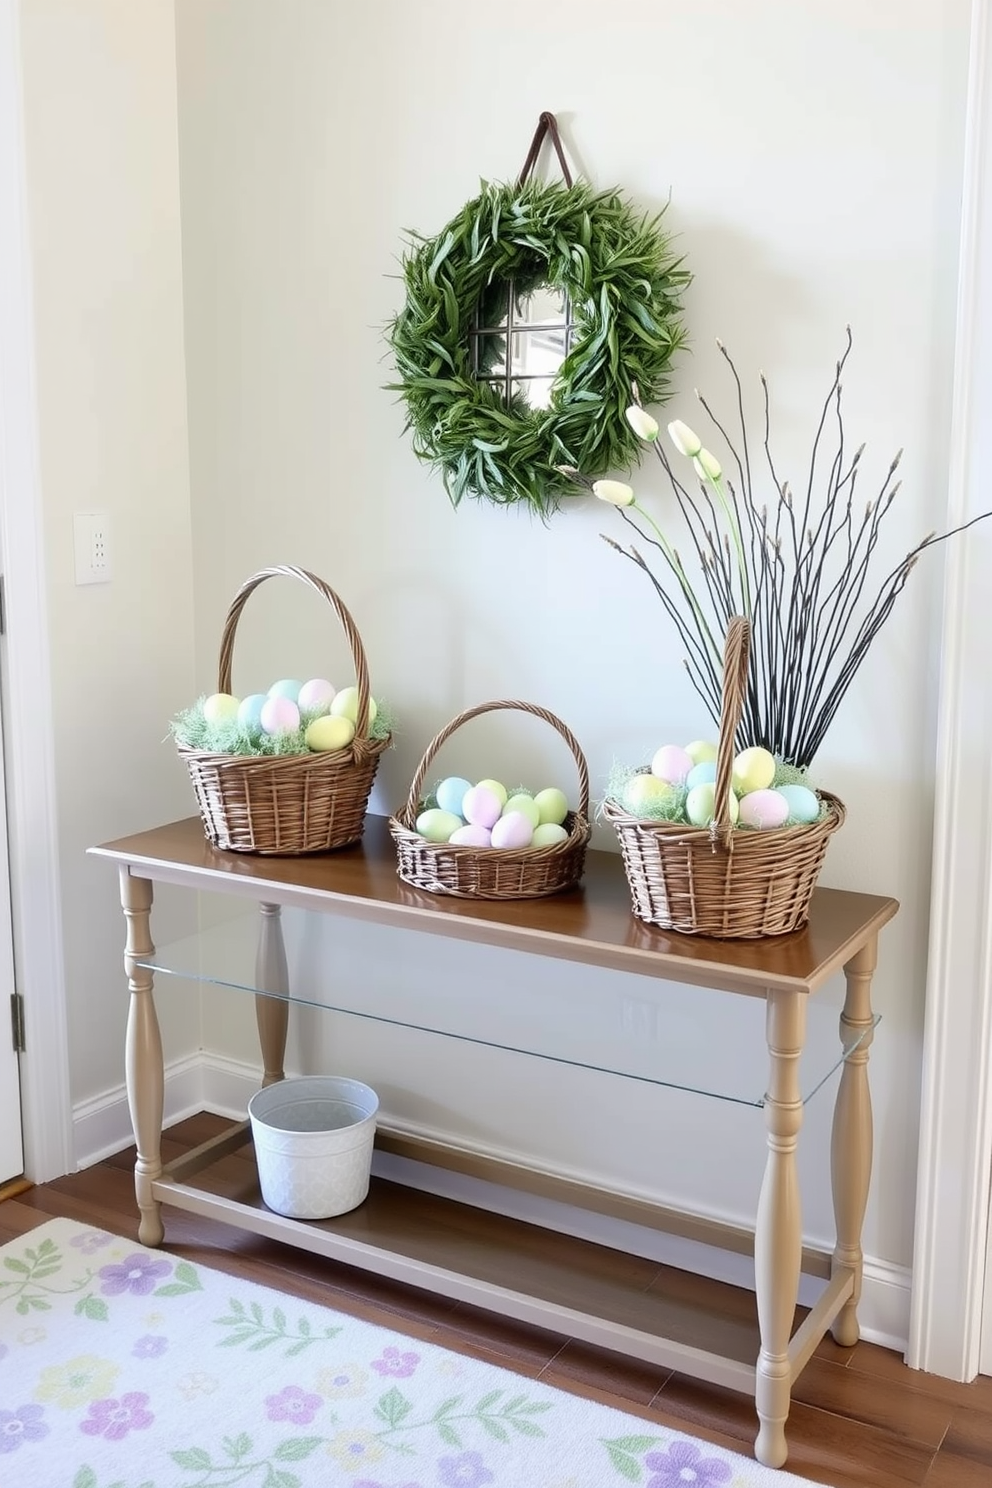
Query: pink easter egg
279, 715
471, 836
480, 806
671, 763
316, 693
763, 808
513, 830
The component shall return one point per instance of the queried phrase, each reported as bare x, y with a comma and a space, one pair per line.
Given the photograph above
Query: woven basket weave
287, 804
491, 873
718, 881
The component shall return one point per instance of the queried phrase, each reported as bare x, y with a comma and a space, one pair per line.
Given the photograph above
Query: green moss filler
624, 285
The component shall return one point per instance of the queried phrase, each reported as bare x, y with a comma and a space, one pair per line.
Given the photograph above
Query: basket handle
413, 799
359, 744
736, 650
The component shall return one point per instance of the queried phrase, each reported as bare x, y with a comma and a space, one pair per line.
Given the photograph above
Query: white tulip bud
643, 425
706, 466
684, 440
614, 492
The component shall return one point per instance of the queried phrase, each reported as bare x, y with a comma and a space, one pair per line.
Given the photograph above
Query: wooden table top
592, 923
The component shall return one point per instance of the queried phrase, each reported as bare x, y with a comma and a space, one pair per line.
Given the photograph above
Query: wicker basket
714, 880
293, 803
492, 873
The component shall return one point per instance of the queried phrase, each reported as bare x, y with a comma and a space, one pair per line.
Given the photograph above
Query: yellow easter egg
344, 704
220, 706
325, 734
499, 790
644, 794
754, 769
701, 751
700, 805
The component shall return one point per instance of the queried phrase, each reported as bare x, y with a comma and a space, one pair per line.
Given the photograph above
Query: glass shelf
633, 1027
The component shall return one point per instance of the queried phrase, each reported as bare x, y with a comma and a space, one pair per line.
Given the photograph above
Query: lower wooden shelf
577, 1288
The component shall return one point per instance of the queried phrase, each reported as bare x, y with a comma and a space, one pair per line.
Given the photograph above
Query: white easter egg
764, 808
437, 825
344, 704
481, 806
754, 769
804, 804
325, 734
220, 707
286, 687
525, 805
451, 793
552, 806
279, 715
672, 763
316, 695
548, 834
471, 836
513, 830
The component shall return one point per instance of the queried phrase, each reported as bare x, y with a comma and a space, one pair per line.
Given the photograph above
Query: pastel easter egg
804, 804
700, 805
754, 769
279, 715
437, 825
325, 734
552, 806
701, 750
764, 809
344, 704
451, 793
220, 707
548, 834
316, 695
702, 774
644, 794
471, 836
523, 805
286, 687
672, 763
513, 830
250, 710
498, 789
481, 806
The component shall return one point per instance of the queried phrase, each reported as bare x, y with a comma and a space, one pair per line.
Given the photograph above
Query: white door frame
955, 1160
33, 844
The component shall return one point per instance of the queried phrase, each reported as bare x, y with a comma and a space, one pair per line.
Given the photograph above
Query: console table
592, 925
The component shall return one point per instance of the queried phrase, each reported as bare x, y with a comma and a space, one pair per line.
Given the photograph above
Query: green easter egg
548, 834
527, 807
344, 704
436, 825
700, 805
552, 804
499, 791
701, 751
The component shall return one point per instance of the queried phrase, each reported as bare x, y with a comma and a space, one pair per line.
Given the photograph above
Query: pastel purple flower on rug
21, 1425
684, 1466
113, 1419
91, 1241
292, 1404
150, 1346
137, 1274
395, 1365
467, 1470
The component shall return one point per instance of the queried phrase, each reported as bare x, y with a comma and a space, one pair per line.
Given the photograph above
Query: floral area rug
123, 1367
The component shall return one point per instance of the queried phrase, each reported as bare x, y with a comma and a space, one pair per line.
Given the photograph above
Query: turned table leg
778, 1232
851, 1142
144, 1071
272, 975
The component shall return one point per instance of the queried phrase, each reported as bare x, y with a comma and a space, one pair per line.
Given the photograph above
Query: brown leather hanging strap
547, 125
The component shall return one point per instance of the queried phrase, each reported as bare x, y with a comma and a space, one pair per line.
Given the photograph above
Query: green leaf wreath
624, 284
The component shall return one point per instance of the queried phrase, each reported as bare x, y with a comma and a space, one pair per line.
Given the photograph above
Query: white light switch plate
91, 540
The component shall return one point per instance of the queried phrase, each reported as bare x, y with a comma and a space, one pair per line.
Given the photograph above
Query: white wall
99, 85
813, 156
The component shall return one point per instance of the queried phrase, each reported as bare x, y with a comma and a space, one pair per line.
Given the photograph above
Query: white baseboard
102, 1126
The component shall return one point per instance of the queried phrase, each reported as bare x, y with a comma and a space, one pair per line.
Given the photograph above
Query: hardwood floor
860, 1418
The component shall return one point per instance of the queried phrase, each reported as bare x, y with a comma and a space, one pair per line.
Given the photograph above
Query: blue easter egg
451, 793
701, 774
804, 805
250, 711
286, 687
